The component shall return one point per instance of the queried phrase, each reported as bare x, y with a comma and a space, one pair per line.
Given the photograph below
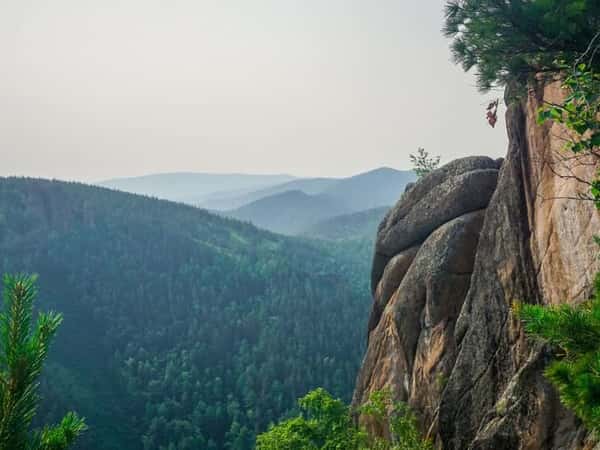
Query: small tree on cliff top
423, 163
23, 350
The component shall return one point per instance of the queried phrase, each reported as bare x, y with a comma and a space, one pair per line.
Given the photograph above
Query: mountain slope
289, 212
296, 211
182, 329
192, 188
376, 188
358, 225
222, 201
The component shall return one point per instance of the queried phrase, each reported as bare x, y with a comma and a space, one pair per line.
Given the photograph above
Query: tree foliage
507, 40
325, 423
423, 163
24, 348
579, 114
398, 419
574, 332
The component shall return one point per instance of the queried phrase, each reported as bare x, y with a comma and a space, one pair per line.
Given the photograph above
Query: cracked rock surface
458, 248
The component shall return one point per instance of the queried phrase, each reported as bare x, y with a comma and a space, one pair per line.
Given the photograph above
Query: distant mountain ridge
224, 201
191, 187
372, 189
279, 203
366, 190
300, 212
289, 212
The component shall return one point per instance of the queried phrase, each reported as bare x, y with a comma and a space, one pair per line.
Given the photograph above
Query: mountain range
192, 188
277, 203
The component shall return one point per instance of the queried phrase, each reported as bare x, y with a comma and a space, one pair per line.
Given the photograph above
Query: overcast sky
98, 89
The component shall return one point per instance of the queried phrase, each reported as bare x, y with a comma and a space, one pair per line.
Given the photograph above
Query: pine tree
574, 332
507, 40
23, 350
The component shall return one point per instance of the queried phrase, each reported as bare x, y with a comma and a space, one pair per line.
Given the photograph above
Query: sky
91, 90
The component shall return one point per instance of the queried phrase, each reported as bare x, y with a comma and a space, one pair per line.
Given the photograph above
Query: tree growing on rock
325, 423
23, 350
423, 163
508, 40
573, 331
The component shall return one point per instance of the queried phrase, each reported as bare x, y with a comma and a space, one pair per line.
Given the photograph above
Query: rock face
460, 246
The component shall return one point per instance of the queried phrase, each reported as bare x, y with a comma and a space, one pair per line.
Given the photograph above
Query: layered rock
460, 246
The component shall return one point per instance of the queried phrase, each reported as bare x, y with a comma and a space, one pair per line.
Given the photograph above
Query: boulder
413, 342
390, 281
457, 188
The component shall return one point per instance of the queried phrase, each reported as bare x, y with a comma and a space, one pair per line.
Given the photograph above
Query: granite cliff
457, 249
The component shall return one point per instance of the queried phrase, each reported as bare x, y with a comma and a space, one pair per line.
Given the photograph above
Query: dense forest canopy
182, 330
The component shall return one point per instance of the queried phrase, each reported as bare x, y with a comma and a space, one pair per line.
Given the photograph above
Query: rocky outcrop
424, 257
459, 187
460, 246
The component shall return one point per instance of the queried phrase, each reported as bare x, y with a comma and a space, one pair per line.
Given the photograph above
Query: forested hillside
182, 330
290, 212
359, 225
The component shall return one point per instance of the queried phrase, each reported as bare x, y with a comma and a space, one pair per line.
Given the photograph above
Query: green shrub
325, 423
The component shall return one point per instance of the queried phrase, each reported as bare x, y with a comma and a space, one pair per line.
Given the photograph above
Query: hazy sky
98, 89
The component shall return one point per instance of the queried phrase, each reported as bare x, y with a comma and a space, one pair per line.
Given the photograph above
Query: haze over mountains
192, 188
358, 225
279, 203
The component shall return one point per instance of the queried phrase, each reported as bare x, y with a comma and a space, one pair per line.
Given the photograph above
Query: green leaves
22, 355
508, 41
574, 334
423, 163
574, 329
325, 424
398, 418
61, 436
579, 114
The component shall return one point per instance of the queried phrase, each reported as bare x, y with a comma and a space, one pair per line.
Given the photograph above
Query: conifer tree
23, 350
507, 40
574, 331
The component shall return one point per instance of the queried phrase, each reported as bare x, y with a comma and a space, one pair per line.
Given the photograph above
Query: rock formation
458, 248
